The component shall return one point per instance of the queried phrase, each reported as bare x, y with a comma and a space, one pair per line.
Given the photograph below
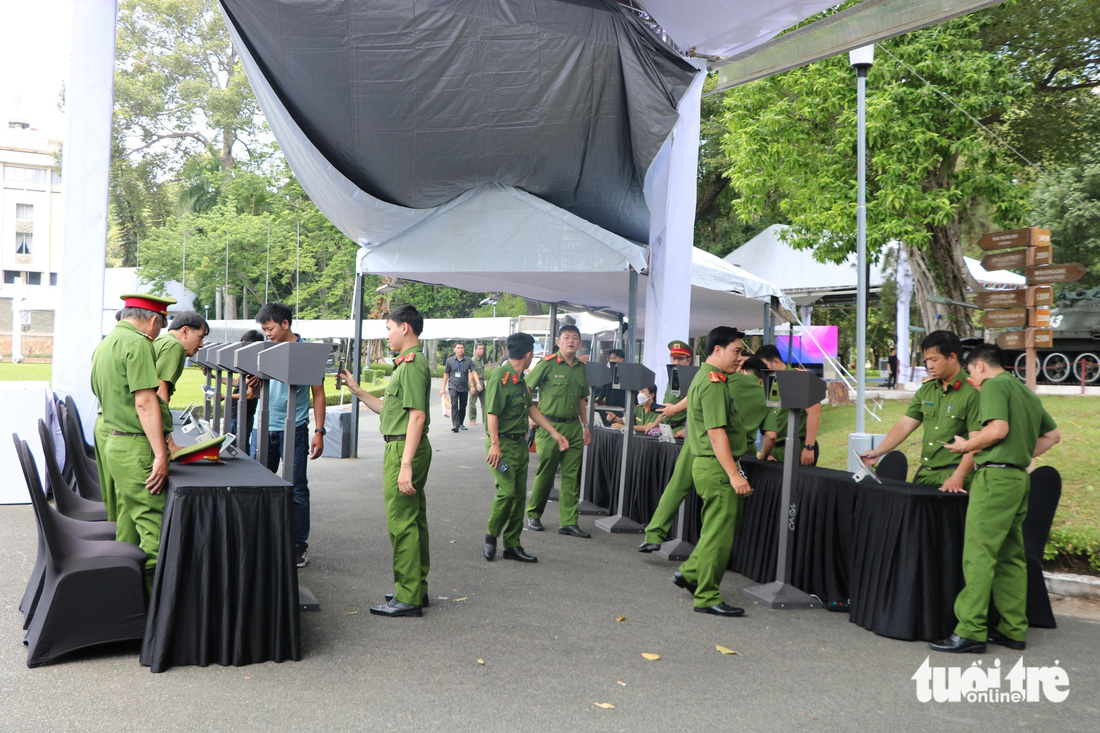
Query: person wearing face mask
645, 418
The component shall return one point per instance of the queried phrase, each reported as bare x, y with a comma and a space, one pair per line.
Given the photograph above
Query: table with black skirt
893, 551
226, 585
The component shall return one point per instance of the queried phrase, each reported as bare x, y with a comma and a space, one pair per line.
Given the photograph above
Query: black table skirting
892, 550
226, 586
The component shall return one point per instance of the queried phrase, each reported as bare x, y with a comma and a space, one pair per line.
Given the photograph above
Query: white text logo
978, 683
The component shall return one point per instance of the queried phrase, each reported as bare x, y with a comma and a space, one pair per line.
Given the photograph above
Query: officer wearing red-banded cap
134, 453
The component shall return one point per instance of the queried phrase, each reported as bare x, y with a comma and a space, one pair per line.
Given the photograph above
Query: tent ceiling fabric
729, 27
418, 101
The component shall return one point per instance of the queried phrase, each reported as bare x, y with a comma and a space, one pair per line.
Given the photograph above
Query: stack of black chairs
85, 588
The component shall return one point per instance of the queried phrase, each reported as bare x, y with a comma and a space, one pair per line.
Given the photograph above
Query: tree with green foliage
1067, 201
792, 140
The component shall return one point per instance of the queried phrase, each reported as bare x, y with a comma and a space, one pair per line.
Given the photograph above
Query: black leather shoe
573, 531
958, 645
682, 582
534, 523
518, 553
423, 599
996, 637
721, 609
648, 547
395, 609
454, 430
489, 547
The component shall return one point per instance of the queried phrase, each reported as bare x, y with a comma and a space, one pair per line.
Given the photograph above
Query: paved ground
548, 635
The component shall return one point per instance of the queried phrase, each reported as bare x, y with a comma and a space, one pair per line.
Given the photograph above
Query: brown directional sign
1031, 296
1038, 338
1029, 237
1067, 273
1038, 317
1015, 318
1017, 259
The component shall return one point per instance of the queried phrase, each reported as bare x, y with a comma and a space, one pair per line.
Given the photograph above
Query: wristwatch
809, 446
322, 431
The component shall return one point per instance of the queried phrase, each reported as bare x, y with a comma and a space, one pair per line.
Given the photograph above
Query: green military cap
679, 348
156, 303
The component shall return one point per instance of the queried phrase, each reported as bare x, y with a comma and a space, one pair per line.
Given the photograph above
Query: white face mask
642, 398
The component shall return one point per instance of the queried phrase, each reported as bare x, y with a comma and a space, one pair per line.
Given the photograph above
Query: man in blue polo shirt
274, 319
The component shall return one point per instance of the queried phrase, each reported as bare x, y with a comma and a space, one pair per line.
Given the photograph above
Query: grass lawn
1077, 417
24, 372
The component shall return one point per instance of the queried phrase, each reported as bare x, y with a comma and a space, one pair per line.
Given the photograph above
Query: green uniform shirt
1004, 397
710, 405
643, 416
748, 393
561, 387
776, 421
945, 412
508, 397
678, 420
408, 389
121, 365
170, 356
484, 370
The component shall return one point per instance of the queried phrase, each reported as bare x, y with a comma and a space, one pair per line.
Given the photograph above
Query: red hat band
149, 305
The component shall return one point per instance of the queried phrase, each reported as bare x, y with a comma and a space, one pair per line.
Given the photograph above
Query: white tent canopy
596, 277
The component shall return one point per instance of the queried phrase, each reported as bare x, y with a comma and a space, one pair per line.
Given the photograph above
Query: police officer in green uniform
508, 406
747, 388
679, 484
124, 379
947, 405
717, 439
563, 395
775, 426
1015, 429
645, 417
403, 420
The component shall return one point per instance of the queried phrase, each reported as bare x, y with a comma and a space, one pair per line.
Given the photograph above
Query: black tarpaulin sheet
418, 101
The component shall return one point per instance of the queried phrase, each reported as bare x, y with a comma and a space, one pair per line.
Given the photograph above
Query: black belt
119, 432
560, 419
1002, 465
513, 436
392, 438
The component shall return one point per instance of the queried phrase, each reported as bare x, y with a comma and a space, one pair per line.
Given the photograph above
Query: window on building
9, 277
34, 278
55, 176
18, 173
53, 279
24, 211
23, 243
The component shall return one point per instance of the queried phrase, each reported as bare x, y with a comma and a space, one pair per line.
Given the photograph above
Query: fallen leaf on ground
622, 683
460, 600
724, 650
351, 613
481, 661
651, 657
453, 541
621, 618
604, 705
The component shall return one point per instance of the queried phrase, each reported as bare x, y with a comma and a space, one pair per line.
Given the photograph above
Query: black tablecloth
652, 461
226, 586
893, 550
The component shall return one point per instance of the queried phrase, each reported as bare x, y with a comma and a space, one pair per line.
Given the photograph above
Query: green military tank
1074, 357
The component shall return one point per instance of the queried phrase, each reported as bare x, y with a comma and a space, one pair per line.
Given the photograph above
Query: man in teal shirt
1015, 429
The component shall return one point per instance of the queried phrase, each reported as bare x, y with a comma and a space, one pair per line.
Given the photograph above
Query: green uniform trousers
936, 476
130, 460
106, 484
549, 457
507, 513
407, 521
674, 494
721, 515
993, 554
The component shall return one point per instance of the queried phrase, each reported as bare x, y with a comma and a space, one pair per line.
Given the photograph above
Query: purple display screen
808, 350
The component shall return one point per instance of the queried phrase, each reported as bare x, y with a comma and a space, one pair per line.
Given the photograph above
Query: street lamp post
861, 59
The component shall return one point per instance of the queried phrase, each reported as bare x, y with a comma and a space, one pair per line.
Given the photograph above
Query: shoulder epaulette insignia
717, 377
548, 357
971, 381
504, 379
405, 358
926, 380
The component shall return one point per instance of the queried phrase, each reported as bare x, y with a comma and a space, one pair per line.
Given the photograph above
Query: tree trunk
230, 310
939, 269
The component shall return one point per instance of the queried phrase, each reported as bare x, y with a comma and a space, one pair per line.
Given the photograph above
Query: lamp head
862, 58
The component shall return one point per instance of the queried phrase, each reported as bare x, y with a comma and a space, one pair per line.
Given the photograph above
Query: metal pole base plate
778, 594
306, 600
619, 523
589, 509
675, 549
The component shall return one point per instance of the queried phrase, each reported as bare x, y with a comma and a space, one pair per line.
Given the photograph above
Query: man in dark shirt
892, 361
456, 384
